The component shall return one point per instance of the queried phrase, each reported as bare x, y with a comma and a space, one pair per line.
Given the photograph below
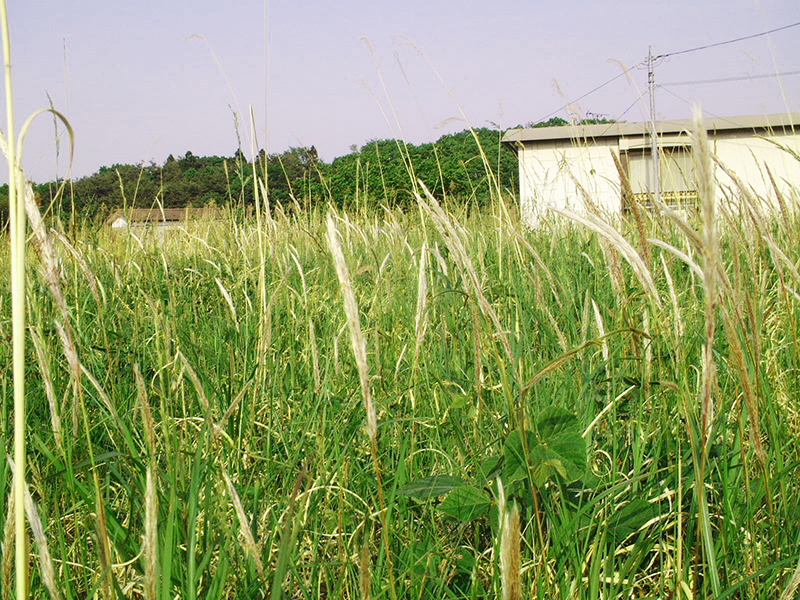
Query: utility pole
651, 84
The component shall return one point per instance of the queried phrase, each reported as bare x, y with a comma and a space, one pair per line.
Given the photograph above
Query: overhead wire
660, 57
706, 112
619, 117
709, 113
727, 79
589, 93
740, 39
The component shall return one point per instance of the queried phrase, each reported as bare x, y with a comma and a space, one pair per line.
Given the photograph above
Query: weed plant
547, 399
432, 404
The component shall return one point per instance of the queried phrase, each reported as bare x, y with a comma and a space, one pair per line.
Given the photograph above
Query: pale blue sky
138, 87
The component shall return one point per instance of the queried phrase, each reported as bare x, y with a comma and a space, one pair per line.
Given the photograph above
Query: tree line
466, 167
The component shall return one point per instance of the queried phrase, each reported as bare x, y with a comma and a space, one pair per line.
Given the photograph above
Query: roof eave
612, 130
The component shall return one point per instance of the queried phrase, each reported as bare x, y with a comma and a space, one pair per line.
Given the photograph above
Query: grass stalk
792, 585
710, 249
510, 567
667, 501
7, 567
244, 527
45, 560
150, 539
360, 353
17, 213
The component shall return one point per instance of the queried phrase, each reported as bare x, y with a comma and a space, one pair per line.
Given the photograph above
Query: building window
678, 187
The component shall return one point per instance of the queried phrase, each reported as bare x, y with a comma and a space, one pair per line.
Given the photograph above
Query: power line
619, 118
706, 112
741, 39
613, 79
653, 59
727, 79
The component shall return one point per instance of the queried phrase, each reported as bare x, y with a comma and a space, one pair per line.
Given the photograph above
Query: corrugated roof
757, 123
166, 215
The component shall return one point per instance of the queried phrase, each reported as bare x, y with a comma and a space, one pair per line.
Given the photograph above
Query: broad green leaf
561, 451
515, 467
554, 421
547, 469
631, 518
570, 449
431, 487
460, 401
490, 467
465, 560
561, 437
466, 503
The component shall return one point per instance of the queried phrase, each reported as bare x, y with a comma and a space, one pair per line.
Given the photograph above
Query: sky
139, 81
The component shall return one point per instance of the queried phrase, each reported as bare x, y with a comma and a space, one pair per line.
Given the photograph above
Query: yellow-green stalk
8, 541
263, 318
710, 250
17, 214
509, 554
360, 353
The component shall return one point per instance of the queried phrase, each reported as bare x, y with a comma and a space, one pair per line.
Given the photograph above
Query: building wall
550, 171
550, 176
747, 155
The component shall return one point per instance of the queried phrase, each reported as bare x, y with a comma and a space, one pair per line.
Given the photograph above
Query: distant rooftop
756, 123
159, 216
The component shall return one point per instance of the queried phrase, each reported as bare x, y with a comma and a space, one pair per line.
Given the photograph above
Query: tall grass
233, 455
193, 428
17, 227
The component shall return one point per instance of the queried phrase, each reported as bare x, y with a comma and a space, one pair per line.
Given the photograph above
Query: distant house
141, 218
613, 162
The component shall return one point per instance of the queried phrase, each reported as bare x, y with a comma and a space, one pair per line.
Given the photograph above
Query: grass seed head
353, 323
8, 546
509, 554
45, 561
147, 415
453, 239
420, 319
150, 542
103, 545
364, 581
791, 587
249, 542
44, 369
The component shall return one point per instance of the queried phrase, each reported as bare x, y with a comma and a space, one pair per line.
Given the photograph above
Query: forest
458, 167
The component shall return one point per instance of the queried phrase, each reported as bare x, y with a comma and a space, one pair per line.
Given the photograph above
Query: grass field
438, 404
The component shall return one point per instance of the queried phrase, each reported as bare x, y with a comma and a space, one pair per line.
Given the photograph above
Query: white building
159, 218
555, 162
